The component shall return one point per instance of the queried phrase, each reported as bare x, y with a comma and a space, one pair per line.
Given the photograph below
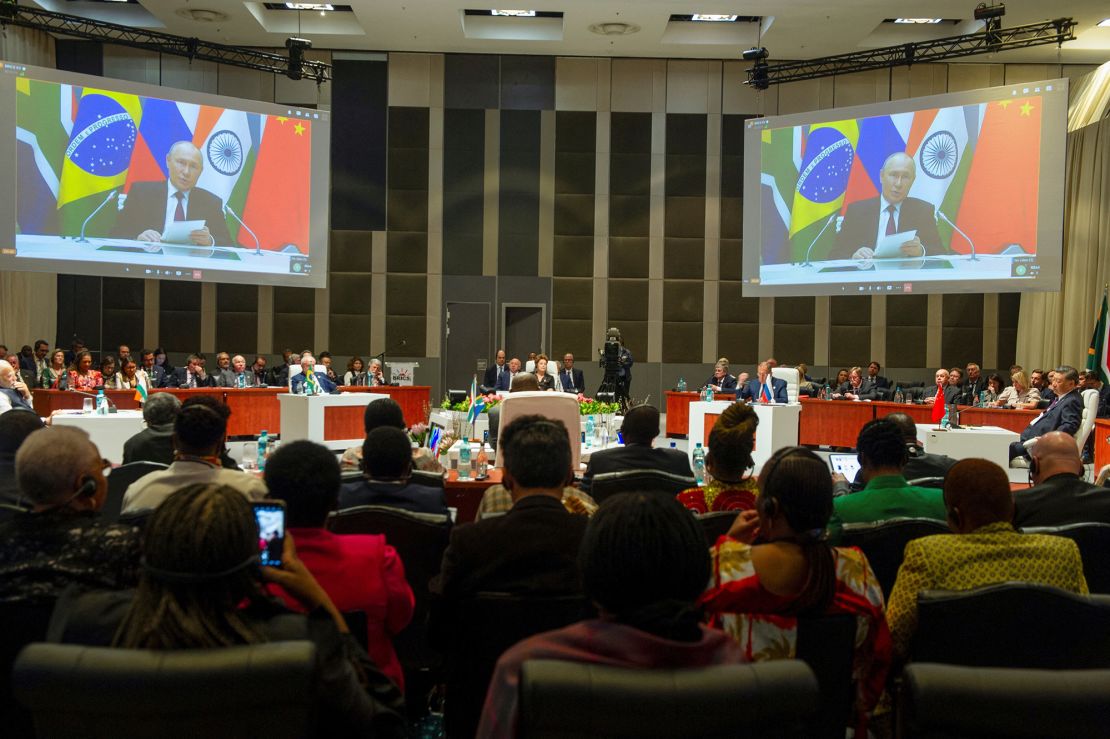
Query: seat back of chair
420, 540
884, 543
119, 479
1013, 625
20, 625
554, 406
927, 482
431, 479
716, 524
578, 700
790, 375
828, 645
1093, 540
608, 484
486, 626
1090, 412
949, 701
262, 690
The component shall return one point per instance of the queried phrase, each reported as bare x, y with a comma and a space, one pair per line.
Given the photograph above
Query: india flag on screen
229, 141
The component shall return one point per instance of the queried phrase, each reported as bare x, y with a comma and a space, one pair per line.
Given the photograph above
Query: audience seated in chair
984, 549
386, 412
201, 588
211, 401
885, 494
15, 428
775, 568
497, 500
639, 429
199, 432
919, 464
1059, 495
729, 463
155, 442
387, 458
359, 572
644, 563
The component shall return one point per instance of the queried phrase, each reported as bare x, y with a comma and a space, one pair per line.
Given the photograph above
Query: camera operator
617, 361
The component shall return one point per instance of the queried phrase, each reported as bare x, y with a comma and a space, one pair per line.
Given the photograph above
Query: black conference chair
927, 482
577, 700
20, 625
716, 524
119, 479
970, 703
1013, 625
421, 477
482, 629
884, 543
827, 644
1093, 540
608, 484
420, 539
261, 690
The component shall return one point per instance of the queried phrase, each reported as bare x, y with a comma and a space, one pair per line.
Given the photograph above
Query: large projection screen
122, 179
962, 192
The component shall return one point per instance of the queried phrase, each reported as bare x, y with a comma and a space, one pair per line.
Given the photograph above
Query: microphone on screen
99, 208
817, 238
940, 215
257, 244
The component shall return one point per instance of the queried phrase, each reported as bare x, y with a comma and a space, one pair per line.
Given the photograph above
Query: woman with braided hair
729, 463
774, 567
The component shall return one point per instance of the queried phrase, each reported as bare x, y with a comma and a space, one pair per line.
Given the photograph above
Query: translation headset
769, 505
196, 577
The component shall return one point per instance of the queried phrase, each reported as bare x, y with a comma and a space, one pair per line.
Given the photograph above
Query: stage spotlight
755, 54
296, 48
984, 12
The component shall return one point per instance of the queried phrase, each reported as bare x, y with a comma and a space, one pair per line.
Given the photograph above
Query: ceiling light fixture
714, 18
614, 28
310, 6
1104, 23
918, 21
514, 13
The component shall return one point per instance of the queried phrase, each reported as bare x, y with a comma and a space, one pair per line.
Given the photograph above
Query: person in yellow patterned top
729, 463
775, 566
985, 549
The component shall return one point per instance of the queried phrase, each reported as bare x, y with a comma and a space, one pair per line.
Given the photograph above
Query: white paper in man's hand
179, 232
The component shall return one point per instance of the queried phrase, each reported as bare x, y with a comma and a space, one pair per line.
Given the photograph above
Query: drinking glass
87, 406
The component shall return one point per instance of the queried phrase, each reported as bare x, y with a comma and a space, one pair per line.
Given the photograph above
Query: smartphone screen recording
270, 515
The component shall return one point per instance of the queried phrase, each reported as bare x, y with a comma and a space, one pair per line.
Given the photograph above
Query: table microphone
107, 397
257, 244
940, 214
99, 208
817, 238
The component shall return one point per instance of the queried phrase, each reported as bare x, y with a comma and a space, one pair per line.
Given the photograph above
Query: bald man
868, 221
151, 207
1059, 496
983, 550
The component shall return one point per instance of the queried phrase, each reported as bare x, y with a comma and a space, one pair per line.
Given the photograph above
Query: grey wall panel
794, 331
906, 320
463, 190
683, 259
962, 329
123, 313
850, 330
237, 319
628, 301
1008, 305
628, 257
179, 316
294, 319
519, 199
528, 83
471, 81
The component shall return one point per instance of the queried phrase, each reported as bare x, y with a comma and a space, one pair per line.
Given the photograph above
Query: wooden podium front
415, 400
332, 420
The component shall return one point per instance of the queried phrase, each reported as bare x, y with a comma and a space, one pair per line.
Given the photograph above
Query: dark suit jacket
636, 457
155, 444
407, 497
969, 391
1104, 402
145, 208
867, 389
750, 391
321, 378
17, 399
861, 224
1060, 500
879, 381
574, 377
490, 380
726, 383
180, 378
922, 465
1064, 416
157, 376
531, 550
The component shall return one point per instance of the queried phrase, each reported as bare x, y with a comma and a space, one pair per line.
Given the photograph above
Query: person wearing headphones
61, 541
775, 567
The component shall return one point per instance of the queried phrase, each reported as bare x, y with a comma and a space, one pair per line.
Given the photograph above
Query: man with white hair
309, 381
14, 394
374, 373
155, 442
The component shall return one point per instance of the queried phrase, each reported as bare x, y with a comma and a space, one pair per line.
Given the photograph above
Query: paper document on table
177, 232
890, 246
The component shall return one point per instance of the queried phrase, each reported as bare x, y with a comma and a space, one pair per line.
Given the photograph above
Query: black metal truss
193, 48
992, 39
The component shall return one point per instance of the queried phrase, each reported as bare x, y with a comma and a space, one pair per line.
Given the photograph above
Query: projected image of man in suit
868, 221
151, 207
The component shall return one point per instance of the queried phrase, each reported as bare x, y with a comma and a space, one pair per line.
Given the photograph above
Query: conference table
252, 409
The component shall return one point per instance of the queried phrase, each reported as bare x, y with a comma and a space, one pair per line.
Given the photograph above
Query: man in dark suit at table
571, 378
497, 378
155, 372
722, 381
191, 375
1059, 496
857, 387
387, 476
1065, 413
639, 429
868, 221
311, 380
151, 207
877, 380
764, 388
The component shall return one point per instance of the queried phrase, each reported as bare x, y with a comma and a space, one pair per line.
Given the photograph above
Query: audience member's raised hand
746, 527
296, 580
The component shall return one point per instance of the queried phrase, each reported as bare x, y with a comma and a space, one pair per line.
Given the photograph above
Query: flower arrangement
418, 433
464, 405
591, 407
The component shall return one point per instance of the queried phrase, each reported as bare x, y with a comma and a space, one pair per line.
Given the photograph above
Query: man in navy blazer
498, 378
639, 429
1065, 414
570, 378
721, 381
308, 364
387, 459
151, 206
753, 389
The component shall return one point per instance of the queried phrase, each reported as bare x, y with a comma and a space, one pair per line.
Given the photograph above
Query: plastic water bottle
701, 395
589, 431
681, 385
944, 422
464, 459
828, 392
708, 394
483, 458
101, 403
604, 435
699, 464
898, 396
263, 442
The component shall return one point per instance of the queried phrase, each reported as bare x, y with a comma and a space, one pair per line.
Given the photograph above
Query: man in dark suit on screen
151, 207
867, 221
1065, 414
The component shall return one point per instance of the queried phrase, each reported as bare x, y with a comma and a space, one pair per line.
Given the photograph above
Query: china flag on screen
278, 203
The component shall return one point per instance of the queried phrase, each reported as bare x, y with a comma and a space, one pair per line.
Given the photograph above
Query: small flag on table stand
1097, 359
140, 394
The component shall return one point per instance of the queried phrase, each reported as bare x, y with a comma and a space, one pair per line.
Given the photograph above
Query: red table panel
832, 422
1101, 432
415, 400
466, 495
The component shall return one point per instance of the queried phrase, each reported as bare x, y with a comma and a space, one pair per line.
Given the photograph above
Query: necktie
179, 214
891, 226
